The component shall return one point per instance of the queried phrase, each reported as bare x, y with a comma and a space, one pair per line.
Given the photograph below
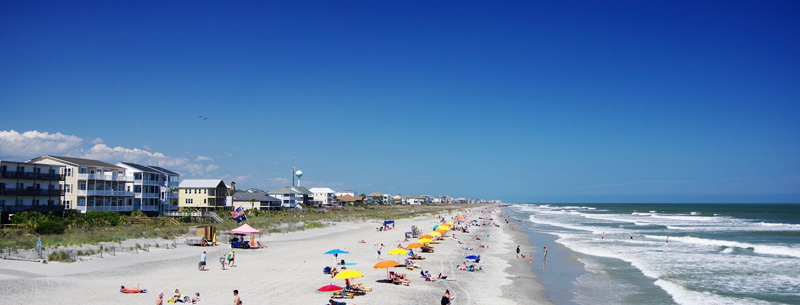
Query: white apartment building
154, 188
91, 185
30, 187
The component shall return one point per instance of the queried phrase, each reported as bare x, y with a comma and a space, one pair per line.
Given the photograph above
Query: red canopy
245, 229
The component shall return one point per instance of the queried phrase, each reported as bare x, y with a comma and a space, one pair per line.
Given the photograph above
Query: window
67, 204
205, 200
81, 202
68, 171
83, 170
189, 200
68, 188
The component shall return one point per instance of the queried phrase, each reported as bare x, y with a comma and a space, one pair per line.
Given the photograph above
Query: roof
201, 183
375, 194
317, 190
76, 161
139, 167
291, 190
253, 196
164, 170
348, 198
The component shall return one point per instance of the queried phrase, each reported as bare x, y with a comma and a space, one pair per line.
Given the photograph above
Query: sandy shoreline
289, 270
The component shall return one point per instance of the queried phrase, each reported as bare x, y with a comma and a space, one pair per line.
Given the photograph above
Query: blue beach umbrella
434, 227
472, 257
336, 251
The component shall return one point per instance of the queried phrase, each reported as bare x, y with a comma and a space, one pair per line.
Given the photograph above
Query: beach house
323, 196
202, 194
292, 196
91, 185
28, 186
256, 200
155, 189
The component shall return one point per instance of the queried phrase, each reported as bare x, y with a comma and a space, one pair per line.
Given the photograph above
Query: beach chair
341, 295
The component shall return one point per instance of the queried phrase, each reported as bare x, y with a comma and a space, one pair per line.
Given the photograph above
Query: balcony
147, 182
32, 192
38, 208
102, 177
119, 208
32, 176
103, 193
146, 195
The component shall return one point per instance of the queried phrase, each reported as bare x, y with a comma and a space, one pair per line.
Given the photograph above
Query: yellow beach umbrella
398, 251
348, 274
414, 246
435, 233
425, 236
443, 228
449, 224
425, 240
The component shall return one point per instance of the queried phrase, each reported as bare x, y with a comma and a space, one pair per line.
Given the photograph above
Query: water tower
298, 174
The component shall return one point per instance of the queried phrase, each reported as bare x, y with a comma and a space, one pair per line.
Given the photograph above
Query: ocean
665, 253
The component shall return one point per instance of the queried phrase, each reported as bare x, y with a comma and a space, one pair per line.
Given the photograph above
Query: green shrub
51, 227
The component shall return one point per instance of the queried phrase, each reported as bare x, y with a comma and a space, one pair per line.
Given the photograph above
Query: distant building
346, 193
293, 196
323, 195
256, 200
155, 189
92, 185
379, 198
28, 186
351, 200
202, 194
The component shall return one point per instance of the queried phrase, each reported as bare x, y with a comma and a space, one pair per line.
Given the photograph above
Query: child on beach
222, 261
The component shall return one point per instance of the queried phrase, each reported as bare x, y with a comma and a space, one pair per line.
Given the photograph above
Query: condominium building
323, 195
91, 185
30, 187
154, 188
202, 194
292, 196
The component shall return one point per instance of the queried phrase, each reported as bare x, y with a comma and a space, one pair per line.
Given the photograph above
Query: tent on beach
245, 229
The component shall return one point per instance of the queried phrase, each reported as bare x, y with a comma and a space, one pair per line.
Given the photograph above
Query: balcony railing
146, 195
102, 177
103, 193
31, 176
148, 182
119, 208
39, 208
32, 192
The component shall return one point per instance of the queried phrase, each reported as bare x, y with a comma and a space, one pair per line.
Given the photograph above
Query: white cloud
34, 143
31, 144
202, 158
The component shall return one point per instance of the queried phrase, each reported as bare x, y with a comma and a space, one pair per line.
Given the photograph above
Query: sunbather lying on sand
132, 290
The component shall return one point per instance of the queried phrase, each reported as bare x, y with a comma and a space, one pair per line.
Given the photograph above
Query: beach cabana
246, 229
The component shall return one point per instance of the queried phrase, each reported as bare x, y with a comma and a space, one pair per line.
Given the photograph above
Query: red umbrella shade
329, 288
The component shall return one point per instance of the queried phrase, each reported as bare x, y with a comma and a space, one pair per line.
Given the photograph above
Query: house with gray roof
154, 188
256, 200
293, 196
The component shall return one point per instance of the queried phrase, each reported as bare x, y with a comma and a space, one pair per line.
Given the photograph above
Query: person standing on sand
531, 259
379, 251
236, 299
446, 298
517, 251
202, 265
160, 299
545, 253
231, 258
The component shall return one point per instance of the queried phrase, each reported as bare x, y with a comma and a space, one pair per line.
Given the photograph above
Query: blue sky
628, 101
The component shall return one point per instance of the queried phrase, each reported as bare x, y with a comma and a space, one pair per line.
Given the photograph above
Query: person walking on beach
531, 259
446, 298
545, 253
379, 251
202, 265
517, 251
236, 299
160, 299
222, 261
231, 258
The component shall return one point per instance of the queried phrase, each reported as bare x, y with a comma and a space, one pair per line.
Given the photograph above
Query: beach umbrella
398, 252
459, 217
348, 274
329, 288
435, 233
386, 265
426, 236
436, 226
414, 246
449, 223
425, 240
472, 257
443, 228
336, 251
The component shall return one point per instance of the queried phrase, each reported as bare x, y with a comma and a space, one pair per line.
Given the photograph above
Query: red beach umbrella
329, 288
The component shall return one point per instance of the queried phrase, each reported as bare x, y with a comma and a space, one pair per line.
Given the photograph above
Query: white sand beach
288, 271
